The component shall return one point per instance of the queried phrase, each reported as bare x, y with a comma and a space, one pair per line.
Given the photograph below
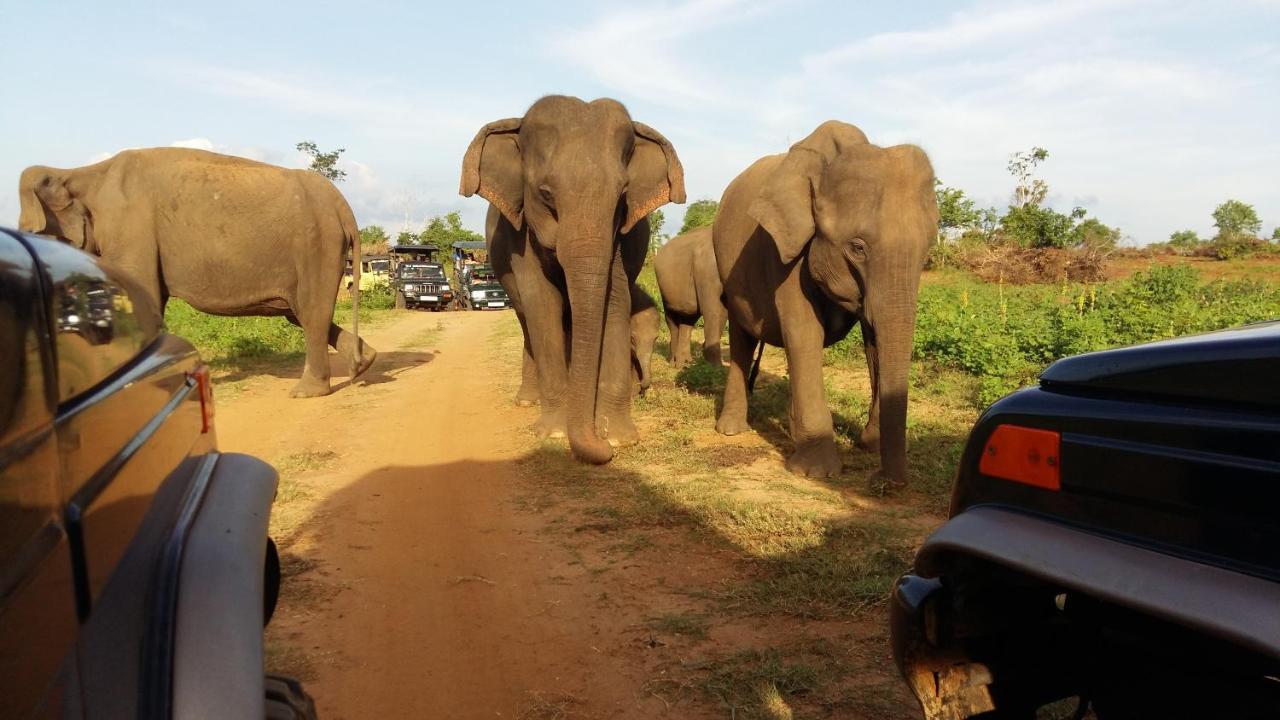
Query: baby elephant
690, 285
832, 233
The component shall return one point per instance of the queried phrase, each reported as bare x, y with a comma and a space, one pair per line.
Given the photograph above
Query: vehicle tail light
1025, 455
204, 385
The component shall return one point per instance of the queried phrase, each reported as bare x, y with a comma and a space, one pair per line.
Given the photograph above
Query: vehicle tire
287, 700
400, 301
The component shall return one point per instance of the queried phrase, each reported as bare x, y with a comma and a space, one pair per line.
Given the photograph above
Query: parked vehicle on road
418, 280
480, 289
375, 271
1114, 537
136, 574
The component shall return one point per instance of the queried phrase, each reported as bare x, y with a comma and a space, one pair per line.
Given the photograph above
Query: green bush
1006, 335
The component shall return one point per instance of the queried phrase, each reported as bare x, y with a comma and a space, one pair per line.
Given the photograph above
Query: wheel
401, 304
287, 700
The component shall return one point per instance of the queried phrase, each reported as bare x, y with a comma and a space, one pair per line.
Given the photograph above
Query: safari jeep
418, 280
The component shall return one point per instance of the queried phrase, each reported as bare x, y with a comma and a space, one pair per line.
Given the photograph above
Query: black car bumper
934, 632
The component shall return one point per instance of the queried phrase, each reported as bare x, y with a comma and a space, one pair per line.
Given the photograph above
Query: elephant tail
755, 367
352, 231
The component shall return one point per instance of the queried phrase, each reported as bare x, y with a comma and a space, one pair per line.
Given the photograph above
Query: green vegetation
700, 214
374, 235
228, 342
325, 163
1005, 335
1234, 218
656, 238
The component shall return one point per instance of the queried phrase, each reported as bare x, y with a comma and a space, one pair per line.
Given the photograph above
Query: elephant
230, 236
832, 233
573, 183
690, 284
644, 333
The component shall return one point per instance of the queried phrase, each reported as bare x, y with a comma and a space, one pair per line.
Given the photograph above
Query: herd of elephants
832, 233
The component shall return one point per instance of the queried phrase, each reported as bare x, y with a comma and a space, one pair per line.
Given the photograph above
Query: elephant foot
713, 358
732, 423
526, 397
882, 483
619, 430
309, 387
551, 425
819, 459
869, 440
367, 356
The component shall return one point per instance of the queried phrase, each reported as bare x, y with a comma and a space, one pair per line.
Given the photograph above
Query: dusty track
416, 589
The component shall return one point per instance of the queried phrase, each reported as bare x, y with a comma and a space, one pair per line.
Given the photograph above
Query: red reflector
1024, 455
205, 387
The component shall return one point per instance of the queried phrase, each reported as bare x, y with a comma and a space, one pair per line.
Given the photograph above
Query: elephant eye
547, 196
858, 248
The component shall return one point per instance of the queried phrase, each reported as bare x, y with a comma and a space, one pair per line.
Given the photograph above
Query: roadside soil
427, 575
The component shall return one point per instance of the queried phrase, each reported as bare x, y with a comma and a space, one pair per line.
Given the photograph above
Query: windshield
380, 265
422, 272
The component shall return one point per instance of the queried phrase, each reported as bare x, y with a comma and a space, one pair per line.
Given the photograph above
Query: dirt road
416, 590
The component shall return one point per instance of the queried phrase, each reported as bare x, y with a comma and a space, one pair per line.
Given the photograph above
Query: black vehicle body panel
102, 497
1168, 516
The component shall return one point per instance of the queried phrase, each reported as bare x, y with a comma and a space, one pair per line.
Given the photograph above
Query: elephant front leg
613, 395
544, 307
816, 454
527, 395
733, 413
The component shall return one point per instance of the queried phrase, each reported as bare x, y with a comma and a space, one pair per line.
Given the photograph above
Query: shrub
1005, 335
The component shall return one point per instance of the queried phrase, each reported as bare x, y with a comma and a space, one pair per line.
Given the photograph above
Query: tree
955, 211
372, 235
1234, 218
1091, 233
656, 238
1032, 226
442, 231
324, 163
404, 237
1275, 235
1184, 242
1028, 190
699, 214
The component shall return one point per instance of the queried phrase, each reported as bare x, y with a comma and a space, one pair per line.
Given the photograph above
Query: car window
95, 320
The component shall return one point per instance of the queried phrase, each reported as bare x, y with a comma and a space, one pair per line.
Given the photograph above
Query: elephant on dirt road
690, 285
230, 236
573, 183
832, 233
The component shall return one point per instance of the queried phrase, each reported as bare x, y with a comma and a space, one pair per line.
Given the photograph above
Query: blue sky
1152, 112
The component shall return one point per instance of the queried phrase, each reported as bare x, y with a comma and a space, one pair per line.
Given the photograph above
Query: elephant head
867, 216
580, 175
52, 203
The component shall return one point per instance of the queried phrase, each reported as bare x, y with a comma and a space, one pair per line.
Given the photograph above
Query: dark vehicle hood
487, 287
1237, 366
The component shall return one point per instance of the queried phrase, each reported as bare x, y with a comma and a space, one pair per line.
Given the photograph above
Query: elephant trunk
588, 278
894, 322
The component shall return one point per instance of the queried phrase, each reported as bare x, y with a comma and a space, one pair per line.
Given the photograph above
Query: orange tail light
1026, 455
205, 386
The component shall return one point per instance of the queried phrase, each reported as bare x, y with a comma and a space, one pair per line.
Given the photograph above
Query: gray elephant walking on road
574, 183
833, 233
691, 288
230, 236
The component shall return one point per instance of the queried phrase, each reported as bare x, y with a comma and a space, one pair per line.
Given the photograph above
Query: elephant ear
492, 167
32, 216
656, 176
784, 206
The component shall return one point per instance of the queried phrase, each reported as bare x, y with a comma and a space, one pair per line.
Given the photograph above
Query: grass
690, 625
258, 342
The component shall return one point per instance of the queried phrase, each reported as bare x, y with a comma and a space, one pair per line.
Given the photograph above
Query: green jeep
418, 279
